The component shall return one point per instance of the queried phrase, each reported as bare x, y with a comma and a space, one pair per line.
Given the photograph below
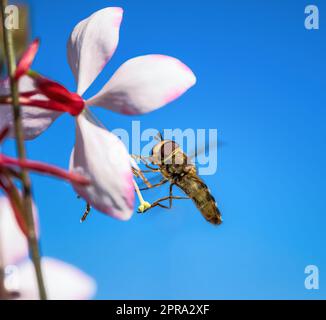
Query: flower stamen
144, 205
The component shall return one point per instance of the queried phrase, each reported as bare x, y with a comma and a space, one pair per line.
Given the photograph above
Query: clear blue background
261, 83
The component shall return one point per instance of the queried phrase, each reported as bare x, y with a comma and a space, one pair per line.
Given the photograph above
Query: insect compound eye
167, 150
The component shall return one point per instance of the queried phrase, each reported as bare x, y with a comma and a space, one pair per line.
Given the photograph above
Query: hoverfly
176, 168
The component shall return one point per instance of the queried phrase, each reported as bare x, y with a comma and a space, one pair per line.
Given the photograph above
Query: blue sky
261, 78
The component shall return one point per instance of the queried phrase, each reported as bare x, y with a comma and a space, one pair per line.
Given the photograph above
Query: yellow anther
144, 205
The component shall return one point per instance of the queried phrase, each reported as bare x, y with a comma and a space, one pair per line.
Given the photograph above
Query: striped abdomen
198, 191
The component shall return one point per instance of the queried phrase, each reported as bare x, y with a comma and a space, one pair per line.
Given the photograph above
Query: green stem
21, 152
4, 294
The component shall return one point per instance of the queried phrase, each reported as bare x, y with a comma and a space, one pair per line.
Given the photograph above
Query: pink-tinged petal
35, 120
62, 281
4, 86
27, 59
13, 244
100, 156
92, 44
144, 84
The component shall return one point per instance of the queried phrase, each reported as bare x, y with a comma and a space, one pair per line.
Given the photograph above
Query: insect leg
171, 197
171, 194
155, 185
87, 211
140, 174
158, 202
145, 162
153, 169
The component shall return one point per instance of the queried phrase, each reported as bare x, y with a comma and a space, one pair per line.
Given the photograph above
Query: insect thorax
177, 171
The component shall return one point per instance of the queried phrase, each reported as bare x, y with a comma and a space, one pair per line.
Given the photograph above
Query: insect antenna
158, 136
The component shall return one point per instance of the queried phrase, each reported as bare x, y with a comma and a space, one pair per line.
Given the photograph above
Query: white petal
92, 44
134, 164
35, 120
4, 86
144, 84
13, 244
62, 281
102, 157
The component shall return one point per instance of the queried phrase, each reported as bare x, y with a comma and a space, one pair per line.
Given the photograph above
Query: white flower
13, 244
62, 281
141, 85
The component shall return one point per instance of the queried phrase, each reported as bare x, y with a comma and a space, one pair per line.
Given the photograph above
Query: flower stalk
21, 152
3, 292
